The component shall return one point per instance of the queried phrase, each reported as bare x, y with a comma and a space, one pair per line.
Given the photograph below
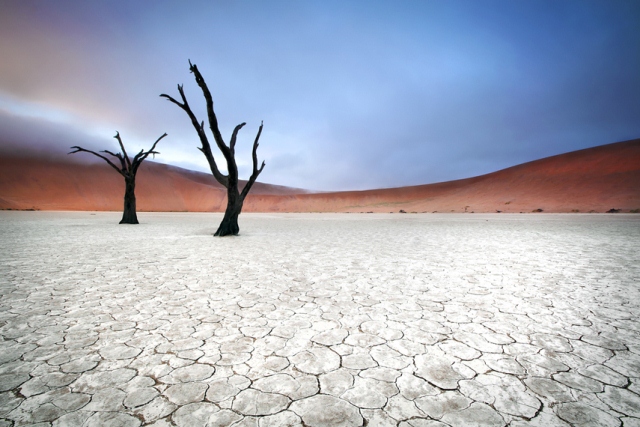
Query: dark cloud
352, 96
37, 137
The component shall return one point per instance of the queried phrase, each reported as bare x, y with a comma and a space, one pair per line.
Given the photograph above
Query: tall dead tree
235, 198
128, 169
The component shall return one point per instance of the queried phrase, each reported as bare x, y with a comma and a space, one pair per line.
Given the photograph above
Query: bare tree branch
235, 199
206, 147
170, 98
256, 171
128, 171
119, 157
213, 120
78, 149
232, 143
141, 156
124, 152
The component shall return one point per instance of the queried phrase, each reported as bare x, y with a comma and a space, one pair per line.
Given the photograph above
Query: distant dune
595, 179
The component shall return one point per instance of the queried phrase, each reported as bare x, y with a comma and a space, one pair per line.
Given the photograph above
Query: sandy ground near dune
321, 319
596, 179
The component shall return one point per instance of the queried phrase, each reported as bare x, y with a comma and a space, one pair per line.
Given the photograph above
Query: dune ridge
595, 179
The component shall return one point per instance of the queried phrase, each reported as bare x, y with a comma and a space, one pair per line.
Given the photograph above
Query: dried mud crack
320, 320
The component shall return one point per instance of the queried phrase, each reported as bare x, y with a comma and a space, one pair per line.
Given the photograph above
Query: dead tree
128, 169
235, 198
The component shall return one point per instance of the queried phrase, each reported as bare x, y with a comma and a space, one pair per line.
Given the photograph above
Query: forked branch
78, 149
124, 152
142, 155
235, 199
128, 168
204, 141
213, 120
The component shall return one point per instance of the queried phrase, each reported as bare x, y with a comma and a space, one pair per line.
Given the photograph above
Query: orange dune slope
595, 179
45, 184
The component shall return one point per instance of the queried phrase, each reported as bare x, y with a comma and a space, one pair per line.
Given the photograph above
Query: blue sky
353, 95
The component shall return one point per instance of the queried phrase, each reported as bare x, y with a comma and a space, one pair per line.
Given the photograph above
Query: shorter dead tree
128, 169
235, 198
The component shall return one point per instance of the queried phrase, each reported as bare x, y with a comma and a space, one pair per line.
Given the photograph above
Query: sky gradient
354, 95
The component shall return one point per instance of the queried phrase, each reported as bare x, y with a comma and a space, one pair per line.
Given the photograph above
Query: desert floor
322, 319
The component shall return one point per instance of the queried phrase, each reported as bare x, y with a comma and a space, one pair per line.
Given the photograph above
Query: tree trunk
128, 169
235, 199
229, 224
129, 214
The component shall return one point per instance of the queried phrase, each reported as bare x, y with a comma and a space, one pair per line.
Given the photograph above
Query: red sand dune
595, 179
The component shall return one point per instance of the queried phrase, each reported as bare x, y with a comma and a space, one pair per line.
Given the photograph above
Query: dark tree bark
235, 198
128, 169
129, 215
